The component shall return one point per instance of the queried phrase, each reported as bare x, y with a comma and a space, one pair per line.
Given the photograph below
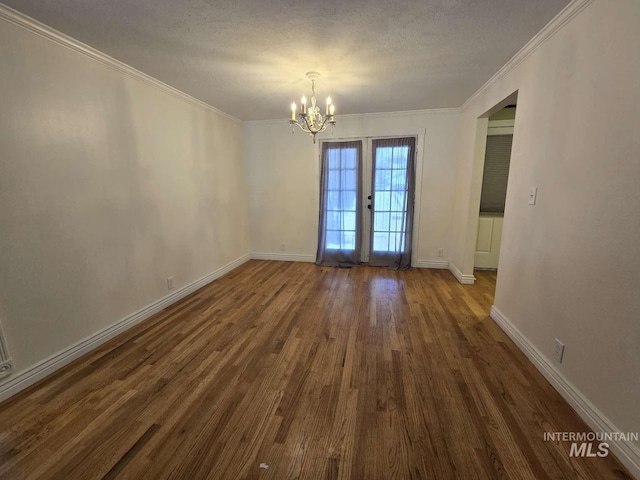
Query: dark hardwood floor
319, 373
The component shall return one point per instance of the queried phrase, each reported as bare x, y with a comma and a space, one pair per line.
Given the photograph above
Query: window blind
496, 173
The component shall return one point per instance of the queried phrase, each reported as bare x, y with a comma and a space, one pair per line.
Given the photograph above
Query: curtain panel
340, 226
393, 188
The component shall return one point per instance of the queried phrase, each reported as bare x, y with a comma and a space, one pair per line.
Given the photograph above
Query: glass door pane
342, 198
392, 198
339, 230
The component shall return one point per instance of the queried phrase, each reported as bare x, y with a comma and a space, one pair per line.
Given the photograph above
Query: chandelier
310, 118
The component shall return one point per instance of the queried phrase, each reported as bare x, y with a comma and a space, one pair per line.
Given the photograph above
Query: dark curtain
339, 227
392, 203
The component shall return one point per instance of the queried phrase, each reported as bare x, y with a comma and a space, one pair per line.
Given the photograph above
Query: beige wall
283, 179
107, 186
568, 265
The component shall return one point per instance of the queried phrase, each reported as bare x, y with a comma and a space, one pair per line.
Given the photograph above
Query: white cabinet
489, 238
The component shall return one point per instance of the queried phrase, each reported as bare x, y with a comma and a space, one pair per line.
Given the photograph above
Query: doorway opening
489, 208
495, 176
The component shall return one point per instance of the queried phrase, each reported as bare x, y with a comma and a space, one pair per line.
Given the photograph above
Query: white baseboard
442, 264
627, 452
6, 365
464, 279
21, 380
283, 257
295, 257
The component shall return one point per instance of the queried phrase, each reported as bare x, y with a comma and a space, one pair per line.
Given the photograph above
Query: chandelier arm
324, 125
303, 126
306, 121
312, 121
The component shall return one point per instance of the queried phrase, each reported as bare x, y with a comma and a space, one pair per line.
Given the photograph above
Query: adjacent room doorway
497, 160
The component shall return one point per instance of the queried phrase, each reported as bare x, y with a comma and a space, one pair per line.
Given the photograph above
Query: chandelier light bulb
311, 120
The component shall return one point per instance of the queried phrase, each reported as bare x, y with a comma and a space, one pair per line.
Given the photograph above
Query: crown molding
433, 111
550, 29
21, 20
13, 16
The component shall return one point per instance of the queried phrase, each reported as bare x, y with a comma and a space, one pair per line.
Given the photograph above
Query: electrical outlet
558, 353
440, 252
283, 247
170, 283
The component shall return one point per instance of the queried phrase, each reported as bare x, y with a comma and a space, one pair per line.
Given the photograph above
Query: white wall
569, 265
283, 179
108, 185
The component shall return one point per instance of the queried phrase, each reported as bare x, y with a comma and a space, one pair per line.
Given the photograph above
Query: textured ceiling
249, 57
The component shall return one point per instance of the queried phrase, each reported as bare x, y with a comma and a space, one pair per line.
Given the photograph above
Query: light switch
533, 194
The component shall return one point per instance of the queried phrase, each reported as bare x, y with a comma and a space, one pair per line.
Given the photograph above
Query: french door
366, 202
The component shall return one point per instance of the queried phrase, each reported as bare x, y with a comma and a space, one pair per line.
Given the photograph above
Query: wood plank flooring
319, 373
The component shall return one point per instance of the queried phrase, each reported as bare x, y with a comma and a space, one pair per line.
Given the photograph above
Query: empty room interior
380, 239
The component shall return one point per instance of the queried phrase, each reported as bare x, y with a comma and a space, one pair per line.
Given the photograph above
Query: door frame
367, 144
473, 207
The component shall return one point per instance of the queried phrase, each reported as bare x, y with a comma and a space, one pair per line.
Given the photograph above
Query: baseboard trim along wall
442, 264
464, 279
626, 451
295, 257
6, 366
283, 257
31, 375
